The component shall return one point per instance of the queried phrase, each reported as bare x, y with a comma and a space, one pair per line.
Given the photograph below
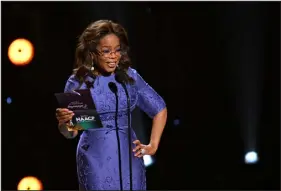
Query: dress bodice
140, 94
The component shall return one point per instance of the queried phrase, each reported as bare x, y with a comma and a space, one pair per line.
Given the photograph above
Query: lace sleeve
149, 100
71, 84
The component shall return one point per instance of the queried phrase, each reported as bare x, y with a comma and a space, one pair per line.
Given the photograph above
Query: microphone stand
112, 86
129, 134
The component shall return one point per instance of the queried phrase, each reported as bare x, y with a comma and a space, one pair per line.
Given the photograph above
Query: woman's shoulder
132, 72
72, 79
71, 82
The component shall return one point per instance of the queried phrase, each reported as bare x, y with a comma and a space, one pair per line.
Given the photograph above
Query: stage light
148, 160
9, 100
30, 183
251, 157
21, 52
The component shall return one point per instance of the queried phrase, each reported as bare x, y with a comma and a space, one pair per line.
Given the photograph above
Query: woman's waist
108, 116
106, 132
108, 128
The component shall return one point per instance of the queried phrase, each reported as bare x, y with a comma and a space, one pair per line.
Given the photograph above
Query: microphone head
119, 79
112, 86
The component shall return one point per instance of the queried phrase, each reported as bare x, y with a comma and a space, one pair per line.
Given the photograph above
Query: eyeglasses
106, 53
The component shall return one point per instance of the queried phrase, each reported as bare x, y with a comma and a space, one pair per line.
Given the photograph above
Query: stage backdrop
216, 64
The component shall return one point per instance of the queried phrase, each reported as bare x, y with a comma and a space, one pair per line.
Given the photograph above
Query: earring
92, 68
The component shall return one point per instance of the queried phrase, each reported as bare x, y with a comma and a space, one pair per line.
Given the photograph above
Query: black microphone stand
112, 86
129, 134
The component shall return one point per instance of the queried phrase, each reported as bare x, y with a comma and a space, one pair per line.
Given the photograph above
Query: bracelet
73, 127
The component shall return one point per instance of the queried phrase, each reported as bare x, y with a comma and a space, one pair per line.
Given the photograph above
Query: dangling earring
92, 68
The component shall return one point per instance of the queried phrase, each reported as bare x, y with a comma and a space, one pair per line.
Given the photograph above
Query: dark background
201, 57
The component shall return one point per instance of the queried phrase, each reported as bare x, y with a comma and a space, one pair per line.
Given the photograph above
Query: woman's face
110, 53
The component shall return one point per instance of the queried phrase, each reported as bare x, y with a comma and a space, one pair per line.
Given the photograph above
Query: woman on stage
101, 58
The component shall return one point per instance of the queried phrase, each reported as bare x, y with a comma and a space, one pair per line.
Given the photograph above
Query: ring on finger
142, 151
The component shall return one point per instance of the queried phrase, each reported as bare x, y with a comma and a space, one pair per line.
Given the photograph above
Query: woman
102, 57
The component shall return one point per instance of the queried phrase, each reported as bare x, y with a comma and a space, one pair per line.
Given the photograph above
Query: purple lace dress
97, 152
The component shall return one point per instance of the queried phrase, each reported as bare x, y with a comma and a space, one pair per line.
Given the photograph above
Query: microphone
120, 79
129, 133
112, 86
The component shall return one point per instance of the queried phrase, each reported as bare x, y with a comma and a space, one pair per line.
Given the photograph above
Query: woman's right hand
64, 116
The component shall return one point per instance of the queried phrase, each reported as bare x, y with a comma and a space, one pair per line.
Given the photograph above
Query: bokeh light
21, 52
176, 122
30, 183
9, 100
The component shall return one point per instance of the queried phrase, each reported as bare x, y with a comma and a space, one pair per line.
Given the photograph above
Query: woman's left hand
141, 149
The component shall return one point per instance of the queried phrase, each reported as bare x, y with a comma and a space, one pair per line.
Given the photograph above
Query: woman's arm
154, 106
158, 125
64, 115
